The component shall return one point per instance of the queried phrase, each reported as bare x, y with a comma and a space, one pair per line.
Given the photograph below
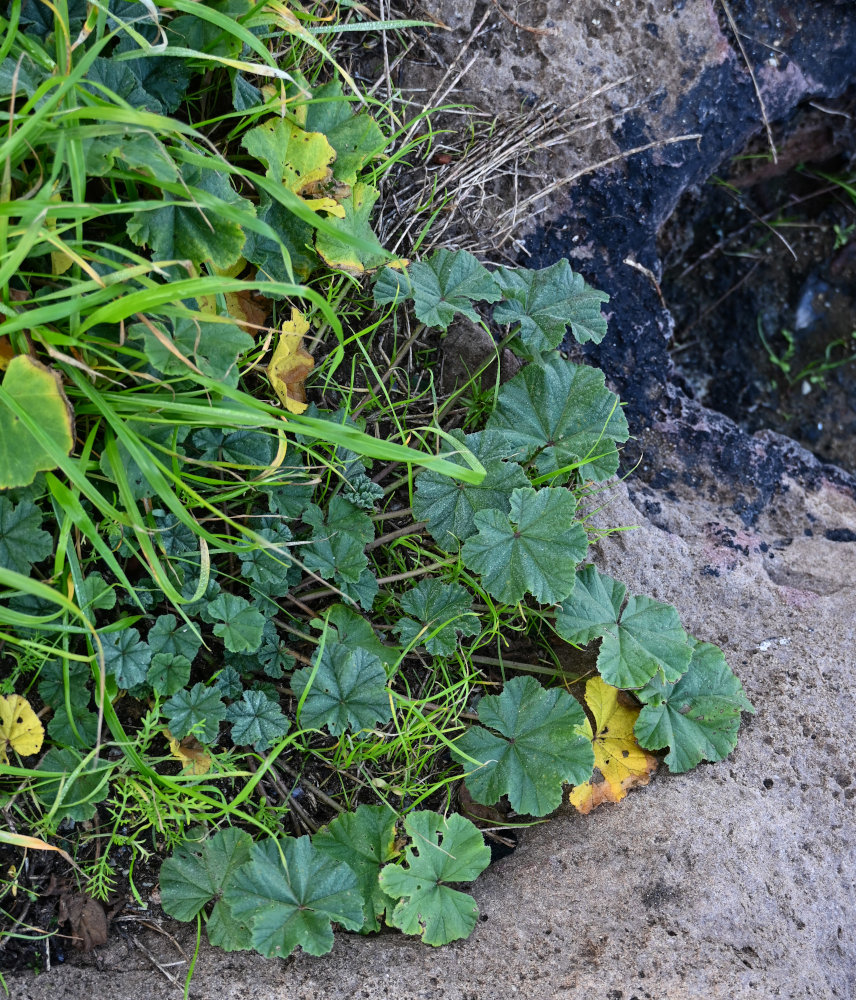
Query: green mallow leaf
348, 691
96, 594
52, 684
561, 415
271, 566
126, 657
198, 872
392, 286
364, 840
352, 630
544, 303
290, 899
257, 720
535, 739
532, 549
440, 612
294, 237
168, 673
357, 139
644, 638
698, 716
364, 591
198, 710
179, 232
448, 283
168, 636
443, 850
240, 625
78, 797
214, 347
449, 505
22, 541
337, 549
81, 734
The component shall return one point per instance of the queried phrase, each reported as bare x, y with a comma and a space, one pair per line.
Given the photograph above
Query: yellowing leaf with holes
291, 364
192, 754
619, 758
20, 728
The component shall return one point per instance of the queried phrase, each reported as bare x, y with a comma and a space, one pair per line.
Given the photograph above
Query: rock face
736, 880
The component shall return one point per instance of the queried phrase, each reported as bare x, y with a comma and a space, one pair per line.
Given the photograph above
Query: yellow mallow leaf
622, 763
291, 364
194, 757
20, 728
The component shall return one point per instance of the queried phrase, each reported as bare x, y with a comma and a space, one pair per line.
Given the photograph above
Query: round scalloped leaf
697, 717
533, 549
449, 505
126, 657
534, 741
644, 638
440, 611
196, 873
257, 720
448, 283
348, 691
38, 390
198, 710
364, 840
561, 414
290, 899
22, 542
442, 850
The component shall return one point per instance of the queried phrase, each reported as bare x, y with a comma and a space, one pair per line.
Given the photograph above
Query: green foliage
257, 720
365, 841
542, 304
198, 872
533, 549
562, 417
22, 541
198, 710
443, 850
698, 716
346, 690
637, 643
289, 892
448, 283
529, 742
240, 625
212, 347
441, 611
76, 794
126, 657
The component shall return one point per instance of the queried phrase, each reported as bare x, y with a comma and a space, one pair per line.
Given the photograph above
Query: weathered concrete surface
735, 881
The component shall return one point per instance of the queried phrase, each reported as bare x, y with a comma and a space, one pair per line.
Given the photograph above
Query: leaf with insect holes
449, 505
561, 414
199, 231
644, 638
348, 691
168, 636
530, 741
441, 611
197, 872
342, 253
38, 390
78, 797
448, 283
240, 626
291, 364
20, 728
168, 673
698, 716
22, 541
126, 656
365, 841
443, 850
198, 710
543, 304
213, 347
257, 720
291, 899
533, 549
622, 763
